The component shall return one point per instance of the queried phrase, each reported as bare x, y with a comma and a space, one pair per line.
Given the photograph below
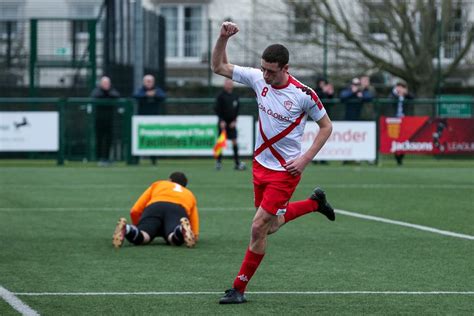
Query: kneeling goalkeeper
166, 209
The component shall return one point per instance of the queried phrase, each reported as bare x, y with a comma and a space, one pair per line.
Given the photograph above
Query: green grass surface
56, 225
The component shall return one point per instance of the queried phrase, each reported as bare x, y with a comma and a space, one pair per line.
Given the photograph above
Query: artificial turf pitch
56, 254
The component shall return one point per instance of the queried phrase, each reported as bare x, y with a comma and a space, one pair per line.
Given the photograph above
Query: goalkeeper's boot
232, 296
323, 206
188, 235
119, 233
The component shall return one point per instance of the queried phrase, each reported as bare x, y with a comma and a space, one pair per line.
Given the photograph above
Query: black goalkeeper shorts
161, 218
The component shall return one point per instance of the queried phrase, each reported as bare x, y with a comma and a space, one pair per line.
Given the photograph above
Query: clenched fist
228, 29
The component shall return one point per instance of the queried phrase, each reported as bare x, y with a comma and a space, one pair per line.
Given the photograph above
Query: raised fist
228, 29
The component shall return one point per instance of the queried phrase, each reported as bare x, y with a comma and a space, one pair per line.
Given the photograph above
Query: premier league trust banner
185, 135
29, 131
425, 135
348, 141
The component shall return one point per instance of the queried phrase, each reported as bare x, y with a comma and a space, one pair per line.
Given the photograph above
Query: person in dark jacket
149, 98
400, 95
325, 91
400, 108
227, 110
104, 115
354, 97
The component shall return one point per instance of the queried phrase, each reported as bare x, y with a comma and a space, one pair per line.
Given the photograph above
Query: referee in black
227, 110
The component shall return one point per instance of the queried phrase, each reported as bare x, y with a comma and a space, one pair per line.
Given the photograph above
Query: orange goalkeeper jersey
167, 191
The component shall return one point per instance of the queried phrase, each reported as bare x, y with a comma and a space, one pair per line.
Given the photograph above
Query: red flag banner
425, 135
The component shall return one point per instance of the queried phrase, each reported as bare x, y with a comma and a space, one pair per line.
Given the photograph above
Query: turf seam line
16, 303
108, 186
252, 292
228, 209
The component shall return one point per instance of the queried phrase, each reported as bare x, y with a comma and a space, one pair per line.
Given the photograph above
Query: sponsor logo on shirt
276, 115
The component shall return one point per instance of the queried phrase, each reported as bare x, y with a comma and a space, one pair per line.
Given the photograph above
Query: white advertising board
177, 135
29, 131
348, 141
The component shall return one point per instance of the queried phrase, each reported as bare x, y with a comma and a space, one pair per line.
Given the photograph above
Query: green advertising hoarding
185, 135
176, 136
455, 106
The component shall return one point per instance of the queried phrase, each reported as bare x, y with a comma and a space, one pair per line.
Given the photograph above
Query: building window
453, 34
184, 30
9, 13
80, 13
302, 18
81, 27
192, 31
171, 18
376, 26
8, 29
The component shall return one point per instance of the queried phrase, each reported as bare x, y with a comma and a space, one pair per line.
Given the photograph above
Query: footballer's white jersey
282, 113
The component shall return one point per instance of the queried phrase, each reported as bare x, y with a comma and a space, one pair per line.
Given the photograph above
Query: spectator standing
104, 115
227, 109
325, 91
368, 112
149, 98
354, 97
400, 108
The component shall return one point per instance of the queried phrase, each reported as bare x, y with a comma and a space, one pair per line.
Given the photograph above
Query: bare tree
409, 33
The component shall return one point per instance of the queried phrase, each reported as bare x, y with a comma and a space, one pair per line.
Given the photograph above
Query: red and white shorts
273, 189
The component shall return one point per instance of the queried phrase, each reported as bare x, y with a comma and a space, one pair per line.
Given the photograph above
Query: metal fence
78, 122
118, 41
64, 54
78, 126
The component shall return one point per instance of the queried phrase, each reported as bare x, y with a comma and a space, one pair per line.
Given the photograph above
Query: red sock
249, 266
299, 208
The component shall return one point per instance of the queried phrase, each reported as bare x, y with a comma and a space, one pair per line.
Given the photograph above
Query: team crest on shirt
288, 104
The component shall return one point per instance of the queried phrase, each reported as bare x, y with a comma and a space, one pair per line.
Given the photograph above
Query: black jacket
227, 106
100, 93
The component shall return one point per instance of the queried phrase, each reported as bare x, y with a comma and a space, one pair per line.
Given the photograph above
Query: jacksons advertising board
425, 135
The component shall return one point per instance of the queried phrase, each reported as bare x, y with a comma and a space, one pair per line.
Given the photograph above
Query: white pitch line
16, 303
405, 224
253, 293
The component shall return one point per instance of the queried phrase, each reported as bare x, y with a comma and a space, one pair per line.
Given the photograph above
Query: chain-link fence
59, 48
118, 41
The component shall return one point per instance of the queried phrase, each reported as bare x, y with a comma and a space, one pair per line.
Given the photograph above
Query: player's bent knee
259, 231
275, 226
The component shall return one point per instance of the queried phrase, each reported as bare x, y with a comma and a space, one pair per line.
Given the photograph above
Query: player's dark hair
179, 178
276, 53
